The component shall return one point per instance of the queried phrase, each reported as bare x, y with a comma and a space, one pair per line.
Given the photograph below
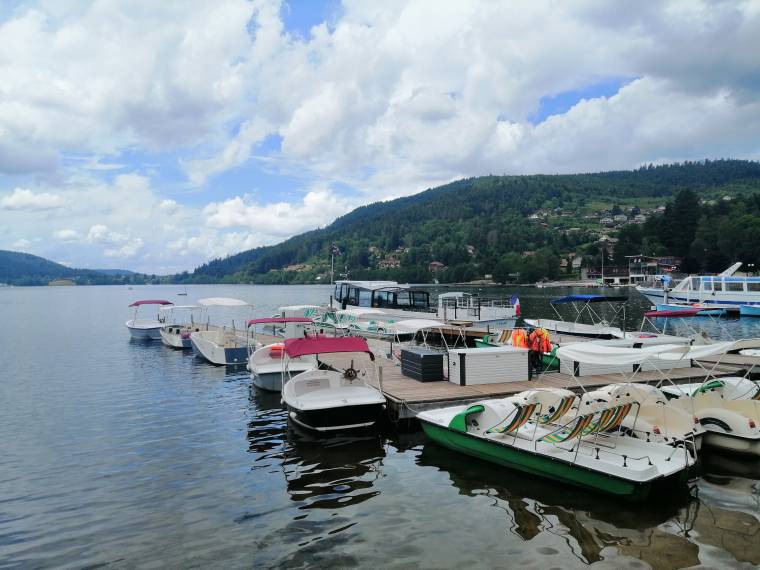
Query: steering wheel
350, 373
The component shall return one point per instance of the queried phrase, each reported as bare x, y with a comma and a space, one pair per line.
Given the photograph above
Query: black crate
422, 364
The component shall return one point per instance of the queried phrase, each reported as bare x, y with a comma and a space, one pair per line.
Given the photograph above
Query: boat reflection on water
332, 473
656, 532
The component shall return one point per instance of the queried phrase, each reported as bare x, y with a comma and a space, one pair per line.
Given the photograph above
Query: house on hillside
389, 262
620, 219
435, 266
576, 262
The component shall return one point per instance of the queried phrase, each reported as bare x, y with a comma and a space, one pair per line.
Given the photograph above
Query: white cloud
24, 199
279, 219
386, 99
67, 235
22, 244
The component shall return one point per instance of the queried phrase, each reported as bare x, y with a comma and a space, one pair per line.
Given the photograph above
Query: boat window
734, 286
718, 285
352, 296
383, 299
365, 298
402, 299
421, 300
337, 292
753, 286
707, 285
695, 283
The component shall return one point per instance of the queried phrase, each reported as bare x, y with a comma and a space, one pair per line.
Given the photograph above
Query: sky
155, 136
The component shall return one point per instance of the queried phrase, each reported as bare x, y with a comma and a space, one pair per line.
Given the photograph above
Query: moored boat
146, 329
538, 433
749, 310
176, 330
222, 344
331, 400
267, 363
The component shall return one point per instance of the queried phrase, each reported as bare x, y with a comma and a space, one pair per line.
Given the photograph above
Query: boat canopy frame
584, 304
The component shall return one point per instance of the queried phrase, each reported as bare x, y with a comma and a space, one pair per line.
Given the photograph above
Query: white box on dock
469, 366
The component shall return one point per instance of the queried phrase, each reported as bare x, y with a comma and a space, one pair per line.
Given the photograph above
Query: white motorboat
583, 307
146, 329
176, 330
723, 289
222, 344
331, 400
267, 363
554, 434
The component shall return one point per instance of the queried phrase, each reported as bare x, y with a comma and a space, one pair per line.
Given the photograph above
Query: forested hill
502, 225
18, 268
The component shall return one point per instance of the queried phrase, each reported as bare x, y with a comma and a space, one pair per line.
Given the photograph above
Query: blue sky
155, 136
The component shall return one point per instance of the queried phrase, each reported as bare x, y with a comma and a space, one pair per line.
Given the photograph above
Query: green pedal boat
555, 434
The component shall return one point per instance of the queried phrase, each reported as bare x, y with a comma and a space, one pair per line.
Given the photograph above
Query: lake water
118, 454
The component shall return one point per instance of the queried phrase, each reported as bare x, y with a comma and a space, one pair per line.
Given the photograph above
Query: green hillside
520, 227
18, 268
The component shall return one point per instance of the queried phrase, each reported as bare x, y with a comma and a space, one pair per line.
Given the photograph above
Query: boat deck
407, 397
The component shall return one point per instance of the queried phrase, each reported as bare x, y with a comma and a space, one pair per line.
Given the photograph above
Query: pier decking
407, 397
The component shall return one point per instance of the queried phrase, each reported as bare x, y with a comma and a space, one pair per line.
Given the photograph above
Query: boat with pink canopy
267, 363
327, 400
146, 329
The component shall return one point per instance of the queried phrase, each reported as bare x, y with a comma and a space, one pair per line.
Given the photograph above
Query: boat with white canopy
555, 434
179, 323
728, 409
332, 400
146, 329
584, 306
267, 362
226, 343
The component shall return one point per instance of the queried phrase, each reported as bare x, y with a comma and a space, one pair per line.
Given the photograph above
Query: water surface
121, 454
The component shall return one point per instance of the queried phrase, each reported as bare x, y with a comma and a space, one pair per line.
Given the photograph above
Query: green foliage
489, 214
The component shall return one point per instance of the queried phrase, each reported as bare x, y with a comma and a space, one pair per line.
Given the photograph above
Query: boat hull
340, 418
703, 313
270, 381
216, 354
174, 340
749, 311
145, 333
537, 464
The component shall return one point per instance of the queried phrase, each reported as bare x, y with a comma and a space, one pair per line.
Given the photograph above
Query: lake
118, 454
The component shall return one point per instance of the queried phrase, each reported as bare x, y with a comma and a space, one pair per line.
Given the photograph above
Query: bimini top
151, 302
275, 320
295, 347
222, 301
672, 313
587, 299
172, 307
414, 325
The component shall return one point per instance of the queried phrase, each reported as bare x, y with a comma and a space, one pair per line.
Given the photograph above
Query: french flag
515, 301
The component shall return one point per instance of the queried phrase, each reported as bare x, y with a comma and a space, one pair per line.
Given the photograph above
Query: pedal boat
531, 432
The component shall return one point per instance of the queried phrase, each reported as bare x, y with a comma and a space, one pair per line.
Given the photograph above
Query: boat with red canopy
332, 399
267, 363
146, 329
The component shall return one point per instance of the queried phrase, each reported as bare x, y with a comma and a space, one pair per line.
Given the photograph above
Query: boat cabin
381, 295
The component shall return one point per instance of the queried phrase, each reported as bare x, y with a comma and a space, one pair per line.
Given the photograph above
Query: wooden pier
407, 397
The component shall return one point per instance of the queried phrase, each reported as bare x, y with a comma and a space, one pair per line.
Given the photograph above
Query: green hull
536, 464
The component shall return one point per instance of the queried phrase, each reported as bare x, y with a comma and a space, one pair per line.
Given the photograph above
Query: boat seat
521, 416
563, 434
562, 408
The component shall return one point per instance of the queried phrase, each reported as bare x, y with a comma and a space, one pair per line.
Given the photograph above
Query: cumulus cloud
386, 99
67, 235
278, 219
24, 199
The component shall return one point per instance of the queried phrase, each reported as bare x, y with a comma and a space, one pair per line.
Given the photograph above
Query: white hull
719, 298
580, 329
734, 444
144, 330
208, 345
175, 340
